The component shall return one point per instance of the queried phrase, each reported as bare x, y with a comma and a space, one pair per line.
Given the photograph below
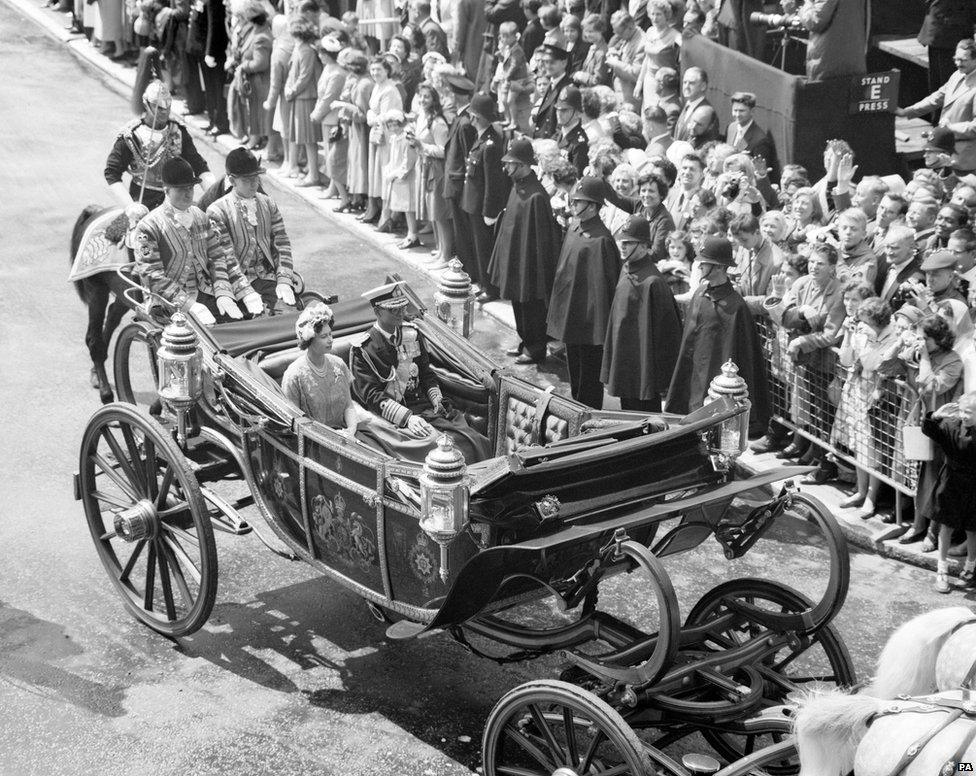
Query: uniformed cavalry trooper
252, 231
460, 138
571, 139
523, 262
582, 293
179, 256
486, 188
392, 378
556, 63
144, 145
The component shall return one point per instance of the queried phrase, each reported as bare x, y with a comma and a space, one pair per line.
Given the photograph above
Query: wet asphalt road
292, 674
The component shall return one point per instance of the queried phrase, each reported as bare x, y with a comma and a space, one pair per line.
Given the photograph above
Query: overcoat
460, 138
486, 185
955, 488
838, 37
523, 263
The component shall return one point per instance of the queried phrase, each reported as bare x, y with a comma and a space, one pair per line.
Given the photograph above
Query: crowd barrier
859, 421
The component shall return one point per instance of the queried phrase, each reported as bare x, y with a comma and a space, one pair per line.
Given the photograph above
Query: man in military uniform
252, 232
556, 62
582, 293
571, 138
179, 256
144, 145
392, 378
460, 138
485, 191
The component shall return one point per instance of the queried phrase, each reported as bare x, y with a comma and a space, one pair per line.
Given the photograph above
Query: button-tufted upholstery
530, 416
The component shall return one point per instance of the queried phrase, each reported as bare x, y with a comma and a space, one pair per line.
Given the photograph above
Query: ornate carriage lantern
179, 364
729, 439
454, 299
444, 497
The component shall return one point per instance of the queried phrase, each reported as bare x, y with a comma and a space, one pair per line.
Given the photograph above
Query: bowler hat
941, 140
716, 250
484, 106
636, 228
178, 172
572, 97
241, 163
589, 188
520, 150
938, 260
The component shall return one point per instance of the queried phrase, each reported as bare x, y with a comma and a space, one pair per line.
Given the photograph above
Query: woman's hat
178, 172
310, 321
332, 44
241, 163
716, 250
910, 312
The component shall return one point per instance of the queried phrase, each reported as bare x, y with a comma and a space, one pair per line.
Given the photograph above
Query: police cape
641, 347
719, 327
523, 262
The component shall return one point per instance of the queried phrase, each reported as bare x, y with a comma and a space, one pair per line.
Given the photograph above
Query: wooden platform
908, 49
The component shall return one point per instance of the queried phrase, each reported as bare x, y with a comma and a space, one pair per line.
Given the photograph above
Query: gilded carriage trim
322, 471
381, 530
334, 442
402, 508
303, 496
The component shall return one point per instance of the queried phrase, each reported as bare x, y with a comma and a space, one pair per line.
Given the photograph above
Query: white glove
285, 293
253, 303
209, 61
202, 314
135, 212
419, 427
227, 307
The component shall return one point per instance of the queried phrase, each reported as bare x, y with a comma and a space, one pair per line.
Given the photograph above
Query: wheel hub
137, 522
564, 771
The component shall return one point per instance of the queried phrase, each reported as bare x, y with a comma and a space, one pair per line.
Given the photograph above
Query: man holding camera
838, 36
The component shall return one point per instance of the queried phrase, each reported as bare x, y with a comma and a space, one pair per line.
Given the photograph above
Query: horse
98, 287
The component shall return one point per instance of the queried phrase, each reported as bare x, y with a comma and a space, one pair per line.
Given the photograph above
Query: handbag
915, 445
336, 134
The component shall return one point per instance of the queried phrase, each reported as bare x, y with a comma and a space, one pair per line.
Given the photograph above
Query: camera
775, 21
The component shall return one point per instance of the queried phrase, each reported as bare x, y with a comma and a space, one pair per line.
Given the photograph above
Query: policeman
179, 257
486, 188
392, 378
144, 145
252, 231
556, 61
571, 138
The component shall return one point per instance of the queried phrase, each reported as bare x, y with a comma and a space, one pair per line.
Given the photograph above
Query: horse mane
907, 663
77, 232
829, 727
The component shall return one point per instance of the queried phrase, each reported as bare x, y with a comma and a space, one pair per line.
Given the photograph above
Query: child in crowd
676, 268
511, 81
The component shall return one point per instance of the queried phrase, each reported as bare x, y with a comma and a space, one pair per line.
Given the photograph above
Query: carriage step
700, 763
405, 629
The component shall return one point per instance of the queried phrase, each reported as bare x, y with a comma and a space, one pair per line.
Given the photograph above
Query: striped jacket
177, 262
262, 251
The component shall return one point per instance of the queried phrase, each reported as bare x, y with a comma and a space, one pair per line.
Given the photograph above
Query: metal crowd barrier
860, 422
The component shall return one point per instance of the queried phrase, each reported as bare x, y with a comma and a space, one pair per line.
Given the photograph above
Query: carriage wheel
134, 364
552, 728
818, 659
148, 520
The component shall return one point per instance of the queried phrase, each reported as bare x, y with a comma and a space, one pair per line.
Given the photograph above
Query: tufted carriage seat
275, 364
528, 415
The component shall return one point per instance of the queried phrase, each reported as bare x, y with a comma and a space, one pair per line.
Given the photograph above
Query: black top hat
716, 250
484, 106
178, 172
520, 150
241, 162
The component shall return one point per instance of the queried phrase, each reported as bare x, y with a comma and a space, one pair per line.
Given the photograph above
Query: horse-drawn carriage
571, 499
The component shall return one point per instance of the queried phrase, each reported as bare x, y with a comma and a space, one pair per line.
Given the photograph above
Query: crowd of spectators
862, 288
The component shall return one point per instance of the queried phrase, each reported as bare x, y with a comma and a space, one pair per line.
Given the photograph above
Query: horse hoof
106, 397
93, 379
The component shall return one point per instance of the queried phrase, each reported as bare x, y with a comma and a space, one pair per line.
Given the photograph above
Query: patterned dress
322, 393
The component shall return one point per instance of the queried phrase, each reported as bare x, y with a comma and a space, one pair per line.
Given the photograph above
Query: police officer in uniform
556, 63
392, 378
252, 231
144, 145
179, 256
486, 188
572, 140
460, 138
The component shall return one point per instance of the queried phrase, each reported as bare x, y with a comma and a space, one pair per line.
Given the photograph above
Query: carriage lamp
444, 497
179, 364
729, 439
454, 299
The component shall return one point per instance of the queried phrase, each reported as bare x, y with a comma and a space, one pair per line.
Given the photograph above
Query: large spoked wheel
809, 661
148, 520
134, 364
544, 728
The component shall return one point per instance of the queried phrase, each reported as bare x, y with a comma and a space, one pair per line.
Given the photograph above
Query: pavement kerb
867, 535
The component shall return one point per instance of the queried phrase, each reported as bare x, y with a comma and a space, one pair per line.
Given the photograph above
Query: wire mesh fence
858, 419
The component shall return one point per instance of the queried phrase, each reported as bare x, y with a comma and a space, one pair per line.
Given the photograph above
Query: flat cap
938, 260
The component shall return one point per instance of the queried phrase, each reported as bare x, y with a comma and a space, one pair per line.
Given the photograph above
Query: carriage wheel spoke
174, 566
131, 563
167, 587
533, 751
569, 728
179, 532
164, 486
147, 599
111, 498
126, 465
559, 756
113, 475
151, 473
182, 555
591, 751
175, 509
134, 457
617, 770
750, 744
513, 770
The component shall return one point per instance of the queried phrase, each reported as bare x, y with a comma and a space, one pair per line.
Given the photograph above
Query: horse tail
829, 728
907, 663
77, 232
